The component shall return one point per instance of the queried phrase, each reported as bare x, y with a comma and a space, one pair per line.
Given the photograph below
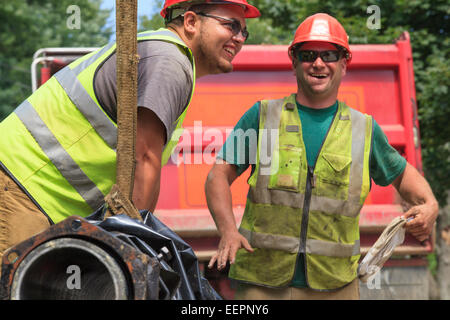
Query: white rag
393, 235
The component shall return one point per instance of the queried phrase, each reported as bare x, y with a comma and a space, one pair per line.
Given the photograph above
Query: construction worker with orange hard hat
58, 148
311, 170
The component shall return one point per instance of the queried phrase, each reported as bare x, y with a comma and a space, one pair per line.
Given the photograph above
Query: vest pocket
336, 169
286, 168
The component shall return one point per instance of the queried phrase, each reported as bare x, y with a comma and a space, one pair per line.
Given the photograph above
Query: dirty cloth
393, 235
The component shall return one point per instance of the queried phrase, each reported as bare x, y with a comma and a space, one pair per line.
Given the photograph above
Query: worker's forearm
219, 200
146, 185
150, 137
414, 189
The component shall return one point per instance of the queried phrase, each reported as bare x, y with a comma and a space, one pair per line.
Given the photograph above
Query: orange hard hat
250, 11
321, 27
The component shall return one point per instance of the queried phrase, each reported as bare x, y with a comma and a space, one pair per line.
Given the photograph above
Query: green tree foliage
155, 21
28, 25
428, 24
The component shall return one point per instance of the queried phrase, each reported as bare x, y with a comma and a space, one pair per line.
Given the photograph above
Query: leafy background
27, 25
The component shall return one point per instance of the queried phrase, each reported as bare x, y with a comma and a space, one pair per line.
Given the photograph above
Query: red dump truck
379, 81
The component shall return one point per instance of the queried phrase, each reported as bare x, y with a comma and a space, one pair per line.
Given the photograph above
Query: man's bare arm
218, 197
150, 139
414, 189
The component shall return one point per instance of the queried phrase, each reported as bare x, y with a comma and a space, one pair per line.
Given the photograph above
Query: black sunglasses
232, 24
311, 55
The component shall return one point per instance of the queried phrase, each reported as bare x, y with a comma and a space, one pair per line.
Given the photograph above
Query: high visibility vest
294, 209
60, 145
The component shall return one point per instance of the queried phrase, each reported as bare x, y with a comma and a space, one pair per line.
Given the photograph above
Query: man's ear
190, 22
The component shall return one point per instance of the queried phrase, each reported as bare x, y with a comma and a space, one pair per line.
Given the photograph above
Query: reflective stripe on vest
292, 244
68, 167
88, 107
282, 218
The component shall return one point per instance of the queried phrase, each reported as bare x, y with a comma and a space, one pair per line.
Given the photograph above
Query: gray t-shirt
165, 80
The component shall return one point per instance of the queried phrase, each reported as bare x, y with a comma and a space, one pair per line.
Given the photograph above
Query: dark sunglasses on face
311, 55
232, 24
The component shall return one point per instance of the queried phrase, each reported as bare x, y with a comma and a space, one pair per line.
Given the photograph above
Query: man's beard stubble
206, 53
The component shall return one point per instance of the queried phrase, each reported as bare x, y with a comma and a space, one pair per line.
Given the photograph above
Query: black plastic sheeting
179, 276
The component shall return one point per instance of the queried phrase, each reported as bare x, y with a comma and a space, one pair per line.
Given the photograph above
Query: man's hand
218, 197
415, 190
423, 220
229, 244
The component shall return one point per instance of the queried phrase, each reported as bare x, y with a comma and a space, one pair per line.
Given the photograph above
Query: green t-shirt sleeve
386, 164
241, 145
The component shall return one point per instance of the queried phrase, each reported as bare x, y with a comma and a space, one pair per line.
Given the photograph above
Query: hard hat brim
250, 11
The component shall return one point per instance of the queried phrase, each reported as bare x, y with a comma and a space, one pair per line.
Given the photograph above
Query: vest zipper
310, 184
306, 204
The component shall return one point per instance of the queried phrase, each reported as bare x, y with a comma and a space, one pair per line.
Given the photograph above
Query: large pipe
75, 259
69, 268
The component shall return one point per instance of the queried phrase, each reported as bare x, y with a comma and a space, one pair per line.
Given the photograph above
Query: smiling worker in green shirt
299, 235
385, 162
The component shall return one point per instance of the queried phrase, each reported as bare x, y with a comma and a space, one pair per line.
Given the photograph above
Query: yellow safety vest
293, 208
60, 145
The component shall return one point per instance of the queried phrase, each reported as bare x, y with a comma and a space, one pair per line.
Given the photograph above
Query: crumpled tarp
180, 277
393, 235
